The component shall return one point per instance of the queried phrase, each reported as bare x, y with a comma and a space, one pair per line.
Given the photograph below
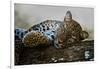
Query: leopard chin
84, 35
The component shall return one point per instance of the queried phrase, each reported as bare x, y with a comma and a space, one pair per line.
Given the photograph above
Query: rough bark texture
82, 51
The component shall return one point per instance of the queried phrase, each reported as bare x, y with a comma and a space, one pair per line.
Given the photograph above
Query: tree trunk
83, 51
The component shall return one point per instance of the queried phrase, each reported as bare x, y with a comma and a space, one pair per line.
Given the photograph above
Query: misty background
27, 15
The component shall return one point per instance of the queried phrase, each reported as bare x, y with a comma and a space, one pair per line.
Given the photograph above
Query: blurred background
27, 15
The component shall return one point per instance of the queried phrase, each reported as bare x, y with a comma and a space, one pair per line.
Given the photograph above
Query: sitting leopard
54, 32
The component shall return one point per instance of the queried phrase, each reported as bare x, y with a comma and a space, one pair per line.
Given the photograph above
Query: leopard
54, 32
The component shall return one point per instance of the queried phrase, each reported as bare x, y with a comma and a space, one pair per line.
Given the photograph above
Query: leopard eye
63, 31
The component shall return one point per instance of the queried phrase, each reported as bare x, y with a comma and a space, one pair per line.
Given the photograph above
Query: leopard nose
60, 41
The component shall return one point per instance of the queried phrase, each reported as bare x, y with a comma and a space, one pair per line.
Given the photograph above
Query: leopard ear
68, 16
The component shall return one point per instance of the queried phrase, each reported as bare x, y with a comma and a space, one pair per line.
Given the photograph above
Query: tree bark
82, 51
